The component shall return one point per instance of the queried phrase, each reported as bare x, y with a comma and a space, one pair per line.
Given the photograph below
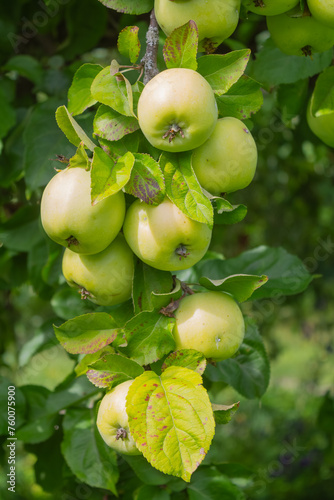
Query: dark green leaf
249, 371
22, 231
149, 336
241, 286
242, 100
27, 66
183, 188
222, 71
129, 6
223, 413
323, 95
148, 281
89, 458
79, 94
209, 484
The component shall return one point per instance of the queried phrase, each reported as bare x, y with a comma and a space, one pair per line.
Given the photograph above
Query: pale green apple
216, 20
210, 322
227, 161
270, 7
69, 218
106, 277
322, 11
113, 423
300, 36
322, 126
164, 237
177, 110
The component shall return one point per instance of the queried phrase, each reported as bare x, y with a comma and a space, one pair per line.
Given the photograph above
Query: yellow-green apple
113, 423
227, 161
216, 20
164, 237
322, 126
210, 322
106, 277
299, 36
322, 11
69, 218
177, 110
270, 7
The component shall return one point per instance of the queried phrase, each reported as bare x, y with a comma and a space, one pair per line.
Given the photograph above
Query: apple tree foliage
98, 127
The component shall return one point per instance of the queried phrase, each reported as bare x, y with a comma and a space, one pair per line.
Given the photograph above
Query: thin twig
151, 54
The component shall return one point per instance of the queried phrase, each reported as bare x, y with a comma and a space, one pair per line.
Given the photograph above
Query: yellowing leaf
171, 419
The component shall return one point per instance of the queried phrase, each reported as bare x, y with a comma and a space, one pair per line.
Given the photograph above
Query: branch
151, 54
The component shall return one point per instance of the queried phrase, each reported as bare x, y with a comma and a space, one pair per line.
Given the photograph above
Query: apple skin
216, 20
112, 416
154, 233
177, 97
322, 11
270, 7
210, 322
322, 126
106, 277
227, 161
299, 36
67, 212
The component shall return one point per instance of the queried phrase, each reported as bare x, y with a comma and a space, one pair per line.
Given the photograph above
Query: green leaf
79, 94
129, 6
89, 359
180, 48
209, 483
109, 176
27, 66
19, 406
22, 231
146, 181
249, 371
241, 286
111, 125
112, 91
222, 71
88, 457
146, 282
323, 95
68, 303
225, 213
183, 188
118, 148
74, 133
291, 99
286, 273
171, 419
88, 333
152, 492
128, 43
8, 116
272, 67
223, 413
80, 159
145, 472
242, 100
149, 336
113, 369
188, 358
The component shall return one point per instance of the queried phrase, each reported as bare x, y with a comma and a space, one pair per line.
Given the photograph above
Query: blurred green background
284, 441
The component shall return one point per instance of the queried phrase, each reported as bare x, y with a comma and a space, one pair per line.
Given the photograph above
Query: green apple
177, 110
69, 218
322, 126
227, 161
164, 237
210, 322
299, 36
106, 277
270, 7
113, 423
216, 20
322, 11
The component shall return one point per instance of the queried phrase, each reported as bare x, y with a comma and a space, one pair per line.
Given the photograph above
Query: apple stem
150, 59
121, 434
71, 240
172, 132
84, 293
307, 51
